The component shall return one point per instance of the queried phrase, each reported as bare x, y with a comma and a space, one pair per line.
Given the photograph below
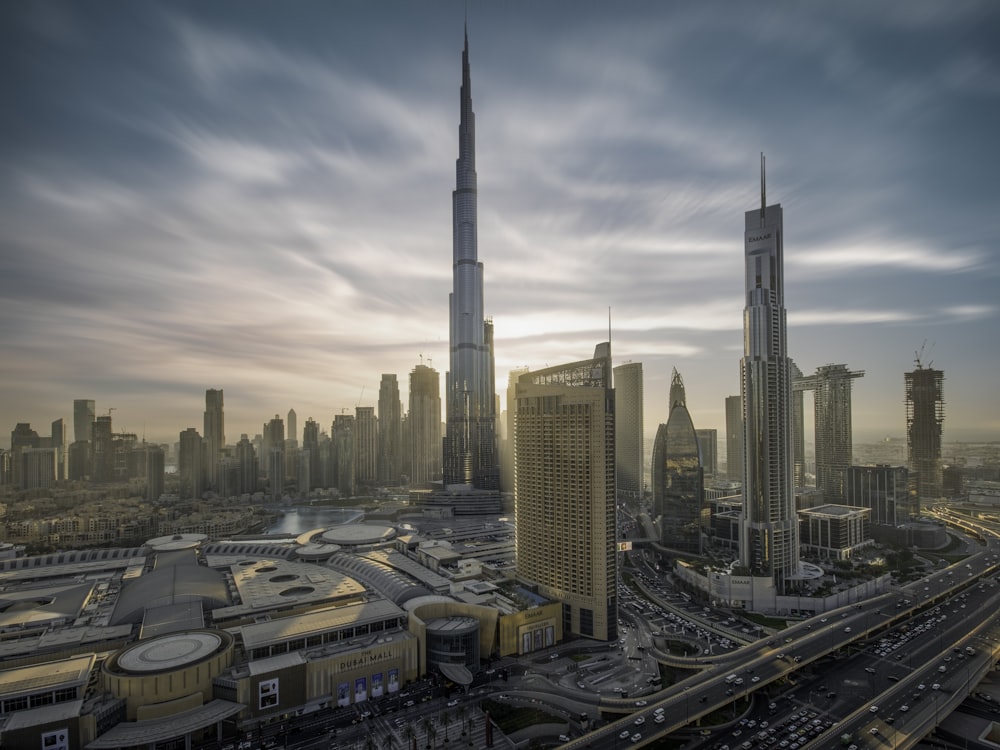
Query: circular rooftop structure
169, 652
175, 542
316, 551
357, 534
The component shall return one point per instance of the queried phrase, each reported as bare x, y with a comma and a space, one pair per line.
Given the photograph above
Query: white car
623, 735
874, 709
640, 720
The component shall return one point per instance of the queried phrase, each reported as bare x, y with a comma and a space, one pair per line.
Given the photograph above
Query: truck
731, 679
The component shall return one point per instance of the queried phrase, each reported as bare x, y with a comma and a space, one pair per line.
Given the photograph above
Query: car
452, 703
847, 630
636, 737
659, 718
921, 686
755, 678
639, 721
874, 709
564, 738
640, 703
873, 730
825, 619
409, 704
870, 670
623, 735
780, 656
936, 686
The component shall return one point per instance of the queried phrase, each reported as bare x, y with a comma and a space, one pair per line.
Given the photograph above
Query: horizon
260, 201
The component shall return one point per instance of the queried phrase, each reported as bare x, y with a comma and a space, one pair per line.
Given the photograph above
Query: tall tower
214, 438
678, 478
734, 438
924, 421
470, 443
83, 418
769, 539
424, 423
190, 455
831, 386
365, 445
628, 429
293, 427
565, 524
390, 431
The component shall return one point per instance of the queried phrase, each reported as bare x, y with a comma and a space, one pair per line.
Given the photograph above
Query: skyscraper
677, 477
83, 417
310, 445
831, 386
565, 521
102, 450
365, 445
470, 454
708, 446
293, 427
769, 539
190, 456
153, 466
390, 431
628, 430
214, 438
734, 438
424, 421
924, 421
246, 457
342, 437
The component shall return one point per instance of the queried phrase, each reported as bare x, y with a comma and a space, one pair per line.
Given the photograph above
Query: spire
763, 191
677, 395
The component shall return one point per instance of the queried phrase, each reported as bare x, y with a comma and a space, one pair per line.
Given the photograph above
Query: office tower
102, 450
510, 410
924, 420
365, 445
5, 470
154, 468
678, 479
628, 430
342, 437
470, 443
769, 540
190, 460
425, 426
80, 462
59, 443
83, 418
215, 436
293, 427
708, 445
274, 455
37, 468
831, 386
22, 437
310, 443
390, 431
246, 457
886, 490
734, 438
798, 430
565, 520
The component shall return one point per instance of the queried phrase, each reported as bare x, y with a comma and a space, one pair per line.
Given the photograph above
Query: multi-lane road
759, 664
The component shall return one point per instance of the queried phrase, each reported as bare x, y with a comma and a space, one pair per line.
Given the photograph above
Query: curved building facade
678, 477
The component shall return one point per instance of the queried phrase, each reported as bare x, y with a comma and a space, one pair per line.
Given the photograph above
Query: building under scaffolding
924, 420
831, 386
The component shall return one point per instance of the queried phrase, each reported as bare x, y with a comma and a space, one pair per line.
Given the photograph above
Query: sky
256, 196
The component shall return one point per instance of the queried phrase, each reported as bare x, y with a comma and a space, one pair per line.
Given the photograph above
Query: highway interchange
820, 699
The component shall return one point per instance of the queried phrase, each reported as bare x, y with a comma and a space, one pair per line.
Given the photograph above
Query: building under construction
924, 420
831, 386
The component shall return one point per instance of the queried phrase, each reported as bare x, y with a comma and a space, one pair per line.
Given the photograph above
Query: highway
762, 663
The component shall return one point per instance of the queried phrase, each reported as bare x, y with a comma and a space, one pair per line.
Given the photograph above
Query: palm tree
389, 742
410, 736
445, 720
430, 731
462, 715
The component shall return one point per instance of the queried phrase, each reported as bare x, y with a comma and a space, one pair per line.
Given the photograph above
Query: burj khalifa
470, 453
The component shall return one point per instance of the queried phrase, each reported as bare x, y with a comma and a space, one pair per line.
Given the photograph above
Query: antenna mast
763, 190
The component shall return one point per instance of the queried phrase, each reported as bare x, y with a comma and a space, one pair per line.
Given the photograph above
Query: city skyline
196, 198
